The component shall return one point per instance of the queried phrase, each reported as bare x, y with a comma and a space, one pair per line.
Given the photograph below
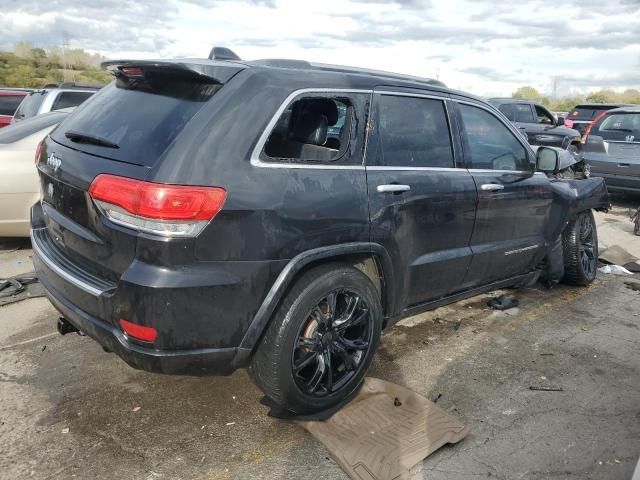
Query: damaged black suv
199, 216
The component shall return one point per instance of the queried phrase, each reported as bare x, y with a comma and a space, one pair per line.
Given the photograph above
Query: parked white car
19, 184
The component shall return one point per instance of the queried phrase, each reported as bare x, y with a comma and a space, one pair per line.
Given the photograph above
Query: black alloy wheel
332, 343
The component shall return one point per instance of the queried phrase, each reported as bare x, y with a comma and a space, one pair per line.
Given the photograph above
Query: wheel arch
370, 258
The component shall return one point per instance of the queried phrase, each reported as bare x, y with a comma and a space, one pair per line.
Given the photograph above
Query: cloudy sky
488, 47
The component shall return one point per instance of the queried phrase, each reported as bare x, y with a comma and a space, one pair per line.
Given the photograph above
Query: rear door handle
393, 188
491, 187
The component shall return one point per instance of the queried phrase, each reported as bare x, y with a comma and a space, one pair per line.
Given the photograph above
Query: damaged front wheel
580, 246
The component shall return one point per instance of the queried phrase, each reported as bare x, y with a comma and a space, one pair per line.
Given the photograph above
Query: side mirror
560, 121
547, 160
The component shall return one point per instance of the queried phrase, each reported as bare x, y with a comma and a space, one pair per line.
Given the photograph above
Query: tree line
32, 67
631, 95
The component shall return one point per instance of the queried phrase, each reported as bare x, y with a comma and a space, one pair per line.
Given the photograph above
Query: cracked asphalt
69, 410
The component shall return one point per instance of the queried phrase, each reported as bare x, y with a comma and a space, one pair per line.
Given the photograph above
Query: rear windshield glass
138, 118
619, 126
588, 112
21, 130
9, 103
70, 99
30, 105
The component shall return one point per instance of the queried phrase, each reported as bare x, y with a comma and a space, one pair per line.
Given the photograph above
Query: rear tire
580, 248
321, 340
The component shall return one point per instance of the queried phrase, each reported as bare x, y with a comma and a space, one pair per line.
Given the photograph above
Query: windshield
29, 106
141, 116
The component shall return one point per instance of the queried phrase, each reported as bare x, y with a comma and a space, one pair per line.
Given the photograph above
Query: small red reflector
147, 334
156, 200
39, 151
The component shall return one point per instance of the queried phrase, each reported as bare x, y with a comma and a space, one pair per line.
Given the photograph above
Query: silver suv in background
53, 97
611, 147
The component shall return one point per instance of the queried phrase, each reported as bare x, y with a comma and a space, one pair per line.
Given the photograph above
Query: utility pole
66, 66
555, 88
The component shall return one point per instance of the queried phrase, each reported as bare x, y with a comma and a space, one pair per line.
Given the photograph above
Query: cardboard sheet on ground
616, 255
376, 437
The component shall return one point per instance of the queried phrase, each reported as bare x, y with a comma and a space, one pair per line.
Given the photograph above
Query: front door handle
393, 188
491, 187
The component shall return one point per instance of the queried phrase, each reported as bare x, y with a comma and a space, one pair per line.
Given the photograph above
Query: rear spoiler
212, 71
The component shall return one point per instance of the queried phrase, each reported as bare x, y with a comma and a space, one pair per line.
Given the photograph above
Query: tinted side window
9, 103
319, 128
70, 99
523, 113
509, 111
491, 145
413, 132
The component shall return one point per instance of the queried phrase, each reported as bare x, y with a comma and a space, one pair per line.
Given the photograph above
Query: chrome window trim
63, 273
419, 169
489, 170
264, 136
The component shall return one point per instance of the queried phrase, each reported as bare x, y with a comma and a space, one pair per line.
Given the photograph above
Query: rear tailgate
123, 130
613, 145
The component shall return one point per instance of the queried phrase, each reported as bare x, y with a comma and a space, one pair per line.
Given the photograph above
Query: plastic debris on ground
20, 287
503, 302
614, 269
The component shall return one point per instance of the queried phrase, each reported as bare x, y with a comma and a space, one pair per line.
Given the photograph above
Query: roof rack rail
79, 85
223, 53
281, 63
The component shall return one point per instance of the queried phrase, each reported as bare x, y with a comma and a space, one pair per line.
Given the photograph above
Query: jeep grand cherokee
197, 217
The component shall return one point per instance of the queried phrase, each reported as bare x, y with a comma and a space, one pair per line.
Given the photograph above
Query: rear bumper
201, 312
212, 361
619, 182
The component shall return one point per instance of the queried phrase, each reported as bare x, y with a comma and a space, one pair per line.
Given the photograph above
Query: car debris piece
544, 388
635, 218
20, 287
633, 286
614, 269
372, 439
503, 302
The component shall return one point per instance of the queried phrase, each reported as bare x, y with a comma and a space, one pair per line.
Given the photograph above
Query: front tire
321, 340
580, 247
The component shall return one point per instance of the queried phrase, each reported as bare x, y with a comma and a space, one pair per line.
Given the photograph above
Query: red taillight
39, 151
175, 210
588, 130
568, 123
139, 332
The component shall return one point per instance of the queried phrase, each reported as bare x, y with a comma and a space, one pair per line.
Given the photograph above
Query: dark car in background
10, 99
53, 97
537, 123
611, 148
581, 116
199, 216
